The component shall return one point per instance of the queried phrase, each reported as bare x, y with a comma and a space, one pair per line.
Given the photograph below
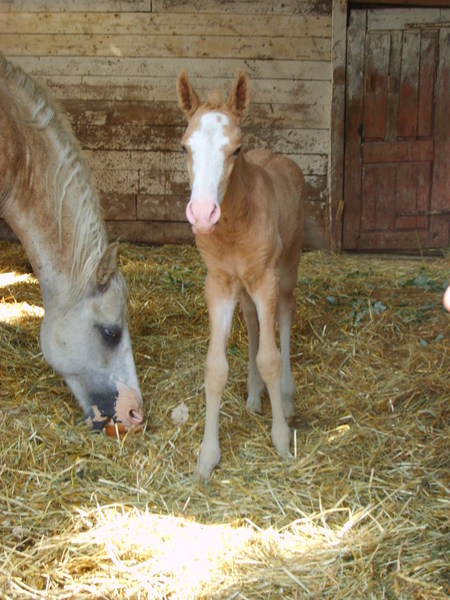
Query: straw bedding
361, 510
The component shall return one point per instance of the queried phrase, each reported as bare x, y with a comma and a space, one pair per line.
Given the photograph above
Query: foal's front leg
268, 358
221, 300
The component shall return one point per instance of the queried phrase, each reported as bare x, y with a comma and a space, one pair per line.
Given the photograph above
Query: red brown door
397, 157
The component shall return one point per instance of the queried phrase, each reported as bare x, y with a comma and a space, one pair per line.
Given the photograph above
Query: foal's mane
214, 100
71, 181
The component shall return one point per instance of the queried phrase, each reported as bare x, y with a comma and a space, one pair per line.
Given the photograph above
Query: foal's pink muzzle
203, 215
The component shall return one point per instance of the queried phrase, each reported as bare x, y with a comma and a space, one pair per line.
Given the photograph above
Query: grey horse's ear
107, 265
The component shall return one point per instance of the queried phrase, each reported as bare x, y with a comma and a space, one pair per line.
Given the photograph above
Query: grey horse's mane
70, 181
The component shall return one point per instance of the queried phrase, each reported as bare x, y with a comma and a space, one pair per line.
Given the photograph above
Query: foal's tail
314, 236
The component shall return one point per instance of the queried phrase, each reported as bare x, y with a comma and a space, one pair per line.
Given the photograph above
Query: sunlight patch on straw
13, 312
11, 278
165, 554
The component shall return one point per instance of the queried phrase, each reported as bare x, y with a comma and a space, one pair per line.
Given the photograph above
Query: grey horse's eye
110, 335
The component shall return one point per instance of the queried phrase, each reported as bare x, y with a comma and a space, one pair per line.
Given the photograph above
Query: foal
246, 211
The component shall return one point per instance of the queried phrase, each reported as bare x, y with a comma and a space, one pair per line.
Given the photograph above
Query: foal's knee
269, 365
216, 374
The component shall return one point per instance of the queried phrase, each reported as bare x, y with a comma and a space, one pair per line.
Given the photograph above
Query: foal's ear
187, 97
240, 96
107, 265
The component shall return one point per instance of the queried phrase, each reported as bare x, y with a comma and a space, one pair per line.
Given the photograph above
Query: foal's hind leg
285, 316
286, 312
255, 383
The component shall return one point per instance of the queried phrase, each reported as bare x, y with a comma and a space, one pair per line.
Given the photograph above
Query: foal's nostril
190, 213
215, 214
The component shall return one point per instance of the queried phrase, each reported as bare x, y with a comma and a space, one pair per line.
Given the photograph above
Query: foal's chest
240, 261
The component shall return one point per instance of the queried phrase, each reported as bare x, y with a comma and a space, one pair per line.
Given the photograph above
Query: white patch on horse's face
206, 144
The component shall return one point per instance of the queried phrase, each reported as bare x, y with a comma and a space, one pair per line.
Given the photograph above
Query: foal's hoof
199, 478
293, 421
288, 406
281, 437
254, 404
207, 460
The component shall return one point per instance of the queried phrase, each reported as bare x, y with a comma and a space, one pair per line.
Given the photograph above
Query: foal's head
212, 143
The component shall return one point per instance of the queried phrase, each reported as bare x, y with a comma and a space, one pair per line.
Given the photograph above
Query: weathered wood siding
113, 65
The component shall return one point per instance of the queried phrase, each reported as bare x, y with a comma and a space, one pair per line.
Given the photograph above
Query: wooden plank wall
113, 64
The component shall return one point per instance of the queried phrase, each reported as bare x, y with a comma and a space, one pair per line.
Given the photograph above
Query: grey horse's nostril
136, 416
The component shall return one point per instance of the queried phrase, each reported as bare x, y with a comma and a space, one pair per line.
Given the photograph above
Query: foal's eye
183, 147
237, 151
111, 335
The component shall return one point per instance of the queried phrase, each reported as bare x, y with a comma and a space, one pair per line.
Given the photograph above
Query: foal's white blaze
206, 144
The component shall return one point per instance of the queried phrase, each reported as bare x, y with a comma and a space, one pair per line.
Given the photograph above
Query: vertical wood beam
337, 128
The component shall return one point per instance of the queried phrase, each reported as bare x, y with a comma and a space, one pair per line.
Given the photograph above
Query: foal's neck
237, 204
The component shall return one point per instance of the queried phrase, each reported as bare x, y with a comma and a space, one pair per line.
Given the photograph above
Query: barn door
397, 185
